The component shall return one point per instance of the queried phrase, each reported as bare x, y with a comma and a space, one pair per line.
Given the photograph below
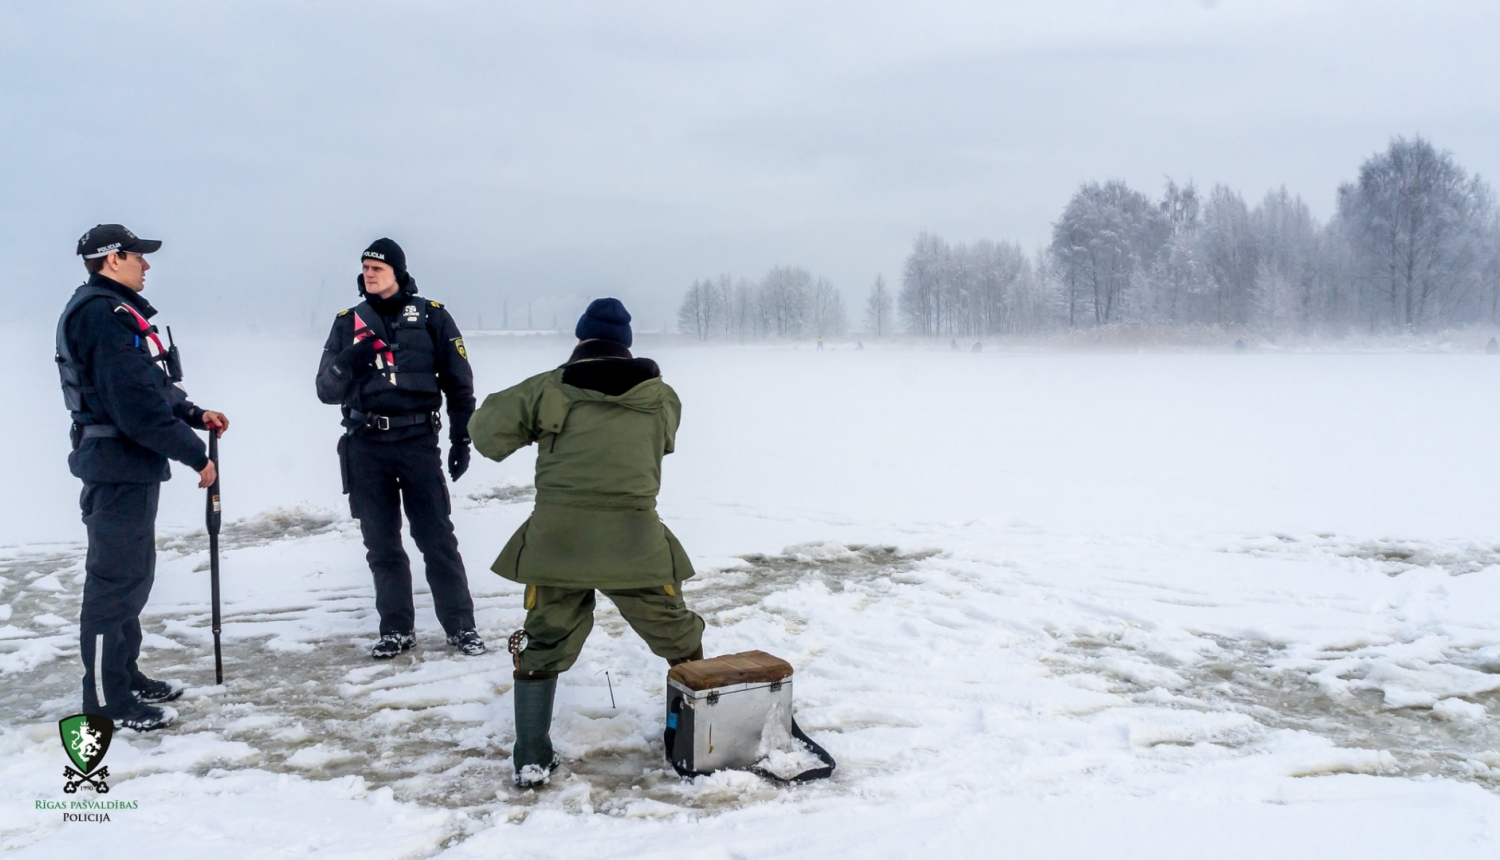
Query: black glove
458, 458
359, 357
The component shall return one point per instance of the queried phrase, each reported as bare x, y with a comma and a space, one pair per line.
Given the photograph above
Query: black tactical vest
410, 364
77, 388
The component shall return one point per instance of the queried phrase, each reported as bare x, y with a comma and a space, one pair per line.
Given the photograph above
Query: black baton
213, 549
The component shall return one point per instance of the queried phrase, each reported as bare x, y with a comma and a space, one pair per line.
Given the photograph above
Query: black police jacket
130, 391
423, 360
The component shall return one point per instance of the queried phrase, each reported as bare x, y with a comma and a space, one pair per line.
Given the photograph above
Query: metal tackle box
727, 712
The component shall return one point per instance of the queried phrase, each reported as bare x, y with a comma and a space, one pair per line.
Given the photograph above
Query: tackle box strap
669, 739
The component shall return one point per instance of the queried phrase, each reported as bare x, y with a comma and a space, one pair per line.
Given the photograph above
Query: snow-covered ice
1045, 605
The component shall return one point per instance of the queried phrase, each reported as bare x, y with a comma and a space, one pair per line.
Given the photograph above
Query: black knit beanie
606, 319
388, 252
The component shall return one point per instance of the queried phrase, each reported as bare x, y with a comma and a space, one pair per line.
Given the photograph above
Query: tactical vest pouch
733, 713
410, 342
75, 383
424, 381
72, 385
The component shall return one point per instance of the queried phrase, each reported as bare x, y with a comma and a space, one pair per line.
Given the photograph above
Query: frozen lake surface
1044, 605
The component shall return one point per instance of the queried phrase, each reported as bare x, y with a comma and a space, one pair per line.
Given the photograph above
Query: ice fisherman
388, 363
130, 416
602, 423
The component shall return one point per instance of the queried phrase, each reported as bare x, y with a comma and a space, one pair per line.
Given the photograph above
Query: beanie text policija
388, 252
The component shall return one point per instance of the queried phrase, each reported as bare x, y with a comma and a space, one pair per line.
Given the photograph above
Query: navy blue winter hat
606, 319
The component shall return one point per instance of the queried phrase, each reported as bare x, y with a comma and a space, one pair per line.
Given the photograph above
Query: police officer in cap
388, 362
130, 415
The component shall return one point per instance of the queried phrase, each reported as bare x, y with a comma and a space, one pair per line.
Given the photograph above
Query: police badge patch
85, 738
458, 344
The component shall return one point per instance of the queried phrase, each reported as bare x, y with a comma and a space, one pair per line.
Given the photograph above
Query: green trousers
558, 620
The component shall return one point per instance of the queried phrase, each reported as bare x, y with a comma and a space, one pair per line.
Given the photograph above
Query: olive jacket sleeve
507, 420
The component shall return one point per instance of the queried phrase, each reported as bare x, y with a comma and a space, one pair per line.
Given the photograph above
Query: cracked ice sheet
224, 814
904, 707
1048, 684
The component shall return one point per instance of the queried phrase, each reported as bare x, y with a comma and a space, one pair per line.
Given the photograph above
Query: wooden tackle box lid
746, 667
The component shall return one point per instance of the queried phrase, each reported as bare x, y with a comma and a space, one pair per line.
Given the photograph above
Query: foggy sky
556, 152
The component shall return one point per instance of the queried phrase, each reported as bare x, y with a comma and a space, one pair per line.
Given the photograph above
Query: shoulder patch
458, 343
434, 304
343, 312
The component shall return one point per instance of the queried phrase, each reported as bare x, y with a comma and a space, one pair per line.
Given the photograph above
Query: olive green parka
598, 472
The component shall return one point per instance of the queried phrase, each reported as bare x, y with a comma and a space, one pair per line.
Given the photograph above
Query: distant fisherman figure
130, 416
388, 362
602, 423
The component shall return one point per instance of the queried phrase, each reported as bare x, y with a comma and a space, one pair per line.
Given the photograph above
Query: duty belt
98, 431
391, 422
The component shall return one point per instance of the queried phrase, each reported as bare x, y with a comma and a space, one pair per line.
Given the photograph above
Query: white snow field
1039, 605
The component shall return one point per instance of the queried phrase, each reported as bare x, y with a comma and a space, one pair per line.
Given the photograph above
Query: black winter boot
391, 644
155, 692
533, 757
467, 641
145, 718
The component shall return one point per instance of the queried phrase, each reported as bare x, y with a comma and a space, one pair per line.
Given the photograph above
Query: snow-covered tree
1417, 222
1107, 237
878, 308
826, 309
920, 302
1290, 289
1231, 256
696, 314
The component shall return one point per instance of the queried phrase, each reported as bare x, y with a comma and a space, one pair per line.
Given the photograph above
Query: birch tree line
787, 303
1414, 244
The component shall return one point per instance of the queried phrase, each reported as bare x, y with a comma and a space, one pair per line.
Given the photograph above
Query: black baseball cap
113, 238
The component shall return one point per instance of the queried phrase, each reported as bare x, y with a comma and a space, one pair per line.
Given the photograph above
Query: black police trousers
383, 477
119, 570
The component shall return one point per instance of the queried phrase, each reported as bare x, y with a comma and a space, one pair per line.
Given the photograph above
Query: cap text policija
106, 239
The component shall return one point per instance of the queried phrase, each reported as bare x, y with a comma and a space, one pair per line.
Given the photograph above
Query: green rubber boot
533, 757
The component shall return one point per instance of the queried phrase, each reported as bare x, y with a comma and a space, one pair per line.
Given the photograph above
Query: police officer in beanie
602, 423
130, 415
388, 362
